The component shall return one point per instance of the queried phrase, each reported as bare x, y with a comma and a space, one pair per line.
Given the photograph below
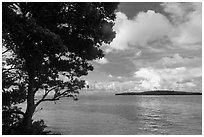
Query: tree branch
6, 51
44, 96
47, 99
63, 94
66, 94
50, 99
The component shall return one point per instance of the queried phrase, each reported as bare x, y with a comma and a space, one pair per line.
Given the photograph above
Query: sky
157, 46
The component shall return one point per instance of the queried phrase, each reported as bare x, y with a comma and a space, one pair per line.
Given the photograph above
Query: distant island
160, 92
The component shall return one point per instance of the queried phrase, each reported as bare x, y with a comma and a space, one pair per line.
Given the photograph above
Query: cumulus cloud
114, 86
181, 28
187, 18
175, 34
102, 61
167, 77
105, 86
145, 27
149, 78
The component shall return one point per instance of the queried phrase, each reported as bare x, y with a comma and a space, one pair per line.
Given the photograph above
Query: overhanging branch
44, 96
6, 50
50, 99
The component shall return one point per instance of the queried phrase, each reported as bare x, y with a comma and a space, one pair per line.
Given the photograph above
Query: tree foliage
50, 46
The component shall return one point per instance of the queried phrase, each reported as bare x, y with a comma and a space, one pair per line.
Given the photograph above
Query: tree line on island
160, 92
42, 42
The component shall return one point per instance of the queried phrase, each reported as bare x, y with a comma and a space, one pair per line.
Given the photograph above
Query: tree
52, 45
13, 91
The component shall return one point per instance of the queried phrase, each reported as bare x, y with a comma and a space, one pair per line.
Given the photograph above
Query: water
129, 115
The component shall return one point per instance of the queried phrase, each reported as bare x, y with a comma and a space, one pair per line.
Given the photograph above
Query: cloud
168, 60
164, 48
152, 78
180, 78
104, 86
145, 27
187, 19
113, 86
119, 77
181, 27
139, 53
102, 61
178, 60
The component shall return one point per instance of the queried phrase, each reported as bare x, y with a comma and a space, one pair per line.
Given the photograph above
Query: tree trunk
27, 120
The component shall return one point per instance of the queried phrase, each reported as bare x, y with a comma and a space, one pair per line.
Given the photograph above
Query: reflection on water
125, 115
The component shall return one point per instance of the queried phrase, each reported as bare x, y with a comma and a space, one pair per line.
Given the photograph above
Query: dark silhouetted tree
50, 46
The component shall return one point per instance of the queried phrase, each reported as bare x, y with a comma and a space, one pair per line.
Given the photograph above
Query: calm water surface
120, 115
